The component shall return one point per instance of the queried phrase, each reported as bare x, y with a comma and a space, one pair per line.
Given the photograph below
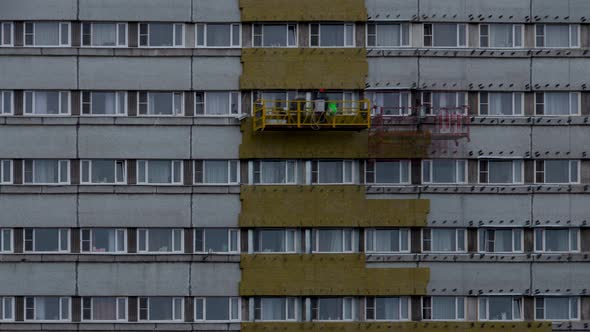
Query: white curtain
272, 172
159, 171
388, 35
104, 308
332, 35
503, 241
443, 307
443, 240
46, 171
501, 35
46, 102
104, 103
557, 35
104, 34
557, 103
387, 240
215, 171
330, 240
217, 103
500, 103
218, 35
46, 33
444, 100
273, 308
387, 308
445, 34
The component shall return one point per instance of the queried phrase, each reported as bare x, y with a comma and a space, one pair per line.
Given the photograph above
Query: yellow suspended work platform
311, 114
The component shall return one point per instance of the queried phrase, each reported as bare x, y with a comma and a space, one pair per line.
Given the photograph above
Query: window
46, 171
161, 308
274, 35
160, 240
501, 35
557, 171
218, 35
557, 35
275, 240
6, 308
217, 103
52, 34
557, 308
557, 103
104, 308
161, 35
217, 309
557, 239
501, 103
334, 240
501, 171
47, 102
161, 103
387, 240
500, 240
6, 38
103, 171
387, 35
104, 103
443, 308
332, 171
50, 240
103, 240
331, 35
275, 308
435, 103
6, 171
387, 171
47, 308
443, 240
387, 308
275, 99
104, 34
445, 35
390, 103
332, 308
217, 240
274, 171
159, 172
6, 102
6, 241
441, 171
500, 308
216, 172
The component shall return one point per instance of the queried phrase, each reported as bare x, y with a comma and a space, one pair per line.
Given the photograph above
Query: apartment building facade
156, 172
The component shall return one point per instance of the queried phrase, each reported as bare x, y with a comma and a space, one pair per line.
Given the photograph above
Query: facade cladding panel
309, 165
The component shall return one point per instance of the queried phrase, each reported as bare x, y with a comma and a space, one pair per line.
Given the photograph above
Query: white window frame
515, 27
345, 26
60, 163
345, 232
570, 312
569, 170
345, 300
117, 304
230, 162
118, 96
372, 232
288, 164
427, 108
174, 298
544, 36
287, 232
61, 94
572, 112
571, 233
61, 25
88, 163
482, 247
146, 250
90, 242
172, 176
458, 238
4, 164
287, 45
458, 300
61, 299
401, 299
10, 233
118, 27
59, 244
203, 104
345, 164
407, 25
459, 26
4, 300
3, 28
231, 35
483, 303
291, 309
147, 104
404, 110
515, 163
6, 95
174, 28
230, 312
374, 163
457, 172
230, 231
515, 97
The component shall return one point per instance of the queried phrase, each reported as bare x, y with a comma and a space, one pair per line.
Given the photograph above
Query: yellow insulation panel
398, 327
303, 10
399, 144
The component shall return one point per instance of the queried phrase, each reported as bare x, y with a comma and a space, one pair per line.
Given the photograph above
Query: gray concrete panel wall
210, 142
386, 72
568, 146
133, 279
216, 11
136, 210
17, 10
392, 9
561, 209
38, 142
134, 142
136, 10
560, 74
215, 279
135, 73
556, 11
24, 210
216, 210
216, 73
460, 10
572, 276
35, 72
37, 279
507, 139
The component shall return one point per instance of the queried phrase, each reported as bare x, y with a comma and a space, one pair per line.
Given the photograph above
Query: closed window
334, 240
160, 240
500, 240
501, 35
47, 102
387, 240
557, 103
275, 308
103, 171
104, 308
557, 35
103, 240
276, 99
501, 171
160, 103
46, 171
6, 102
500, 308
48, 240
444, 171
557, 239
557, 171
6, 172
387, 171
388, 35
274, 35
108, 103
6, 308
443, 240
445, 35
104, 34
274, 171
52, 34
435, 103
557, 308
501, 103
331, 35
443, 308
275, 240
47, 308
6, 34
6, 240
161, 308
387, 308
217, 308
217, 240
217, 103
218, 35
159, 172
332, 171
332, 308
161, 35
390, 103
216, 172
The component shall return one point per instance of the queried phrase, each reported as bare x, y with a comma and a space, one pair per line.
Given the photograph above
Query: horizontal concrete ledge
522, 189
527, 257
118, 120
120, 189
478, 52
121, 52
130, 326
120, 258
